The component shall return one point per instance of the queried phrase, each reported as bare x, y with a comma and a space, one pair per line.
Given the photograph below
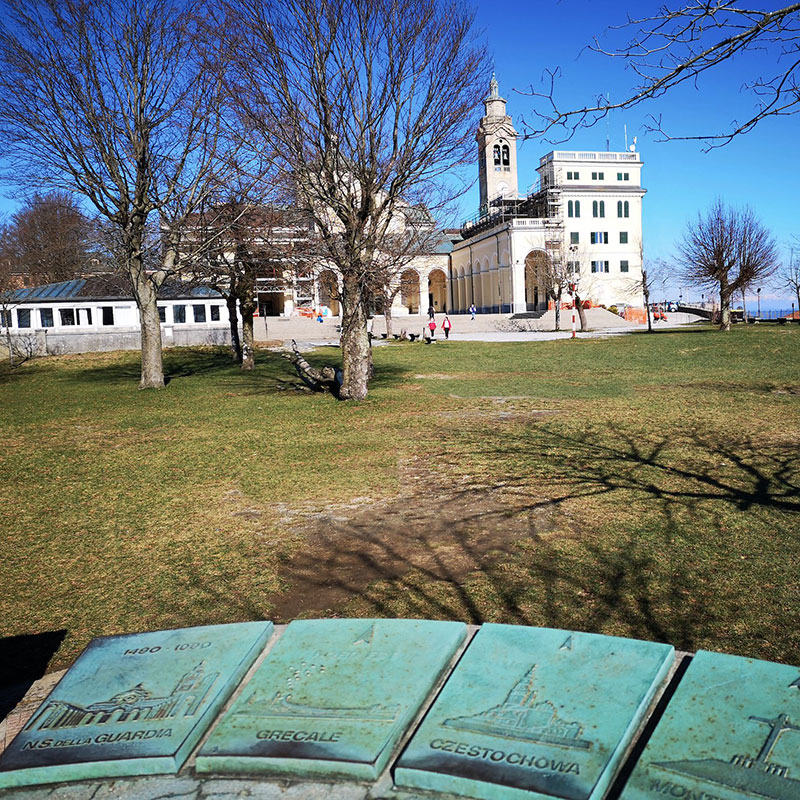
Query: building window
599, 237
598, 176
574, 237
623, 176
46, 317
599, 266
215, 313
623, 237
573, 176
67, 316
5, 319
598, 208
86, 313
623, 209
570, 209
199, 313
506, 156
577, 208
162, 313
179, 314
23, 318
107, 315
623, 266
496, 154
573, 267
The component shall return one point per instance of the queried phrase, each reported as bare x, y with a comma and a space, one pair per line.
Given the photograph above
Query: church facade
580, 223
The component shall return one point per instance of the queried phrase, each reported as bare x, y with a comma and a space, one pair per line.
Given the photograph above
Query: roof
446, 240
107, 287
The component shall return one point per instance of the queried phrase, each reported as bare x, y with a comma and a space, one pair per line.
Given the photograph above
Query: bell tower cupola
497, 151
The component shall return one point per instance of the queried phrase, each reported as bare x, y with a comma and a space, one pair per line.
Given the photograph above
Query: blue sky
527, 37
759, 169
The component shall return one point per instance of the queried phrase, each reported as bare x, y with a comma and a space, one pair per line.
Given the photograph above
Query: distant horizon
681, 180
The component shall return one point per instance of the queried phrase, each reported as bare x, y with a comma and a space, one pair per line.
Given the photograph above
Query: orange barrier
638, 315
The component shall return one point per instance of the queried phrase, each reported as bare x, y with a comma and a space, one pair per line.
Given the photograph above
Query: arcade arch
409, 291
536, 264
437, 289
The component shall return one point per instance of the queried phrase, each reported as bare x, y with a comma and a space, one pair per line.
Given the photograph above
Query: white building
584, 211
100, 313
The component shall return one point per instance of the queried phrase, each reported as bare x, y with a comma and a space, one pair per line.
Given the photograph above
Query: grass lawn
643, 486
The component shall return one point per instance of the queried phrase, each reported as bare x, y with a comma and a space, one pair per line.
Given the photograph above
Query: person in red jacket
446, 326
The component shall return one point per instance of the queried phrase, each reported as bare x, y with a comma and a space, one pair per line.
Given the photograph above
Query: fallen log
327, 379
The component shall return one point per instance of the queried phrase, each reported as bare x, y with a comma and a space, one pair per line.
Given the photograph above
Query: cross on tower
779, 725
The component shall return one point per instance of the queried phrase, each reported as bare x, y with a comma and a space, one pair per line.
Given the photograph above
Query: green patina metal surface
133, 705
535, 712
730, 732
332, 698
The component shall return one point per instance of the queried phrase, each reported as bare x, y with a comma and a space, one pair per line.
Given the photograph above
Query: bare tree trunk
356, 355
744, 308
248, 354
10, 346
233, 317
581, 312
557, 307
724, 306
646, 294
387, 316
152, 364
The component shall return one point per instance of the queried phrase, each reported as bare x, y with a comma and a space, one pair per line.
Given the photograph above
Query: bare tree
235, 243
8, 287
676, 46
50, 238
728, 250
412, 235
369, 105
653, 279
788, 276
111, 101
561, 273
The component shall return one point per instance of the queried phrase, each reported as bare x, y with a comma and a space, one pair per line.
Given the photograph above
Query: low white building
100, 313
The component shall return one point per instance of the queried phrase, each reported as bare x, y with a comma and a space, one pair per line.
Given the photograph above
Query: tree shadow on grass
275, 373
706, 328
178, 362
674, 575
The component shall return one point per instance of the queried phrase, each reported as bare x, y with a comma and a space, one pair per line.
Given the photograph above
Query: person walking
472, 309
432, 326
431, 312
446, 326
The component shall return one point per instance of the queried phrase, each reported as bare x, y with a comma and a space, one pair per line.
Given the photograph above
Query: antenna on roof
608, 131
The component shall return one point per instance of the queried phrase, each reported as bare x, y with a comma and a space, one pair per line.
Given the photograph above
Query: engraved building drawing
521, 716
130, 705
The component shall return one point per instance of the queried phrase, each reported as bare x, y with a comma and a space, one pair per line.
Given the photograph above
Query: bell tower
497, 150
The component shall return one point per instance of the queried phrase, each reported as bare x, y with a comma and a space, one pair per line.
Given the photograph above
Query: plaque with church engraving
332, 698
730, 732
535, 713
133, 705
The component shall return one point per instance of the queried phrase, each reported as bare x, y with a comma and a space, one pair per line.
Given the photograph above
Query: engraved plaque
535, 712
332, 698
730, 732
133, 705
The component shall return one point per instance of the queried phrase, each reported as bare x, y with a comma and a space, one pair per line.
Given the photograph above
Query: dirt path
443, 531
